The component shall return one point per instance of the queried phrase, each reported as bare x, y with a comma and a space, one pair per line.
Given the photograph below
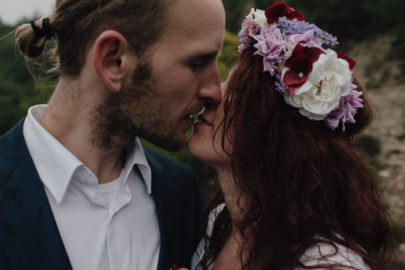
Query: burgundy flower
300, 65
293, 81
280, 9
351, 62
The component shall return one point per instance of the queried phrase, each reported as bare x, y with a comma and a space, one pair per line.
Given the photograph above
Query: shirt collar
136, 156
56, 165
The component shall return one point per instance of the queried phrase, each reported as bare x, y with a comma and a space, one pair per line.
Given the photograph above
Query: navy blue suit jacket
29, 236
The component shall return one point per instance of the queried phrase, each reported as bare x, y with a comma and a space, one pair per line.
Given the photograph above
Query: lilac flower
244, 41
278, 83
270, 45
290, 27
346, 110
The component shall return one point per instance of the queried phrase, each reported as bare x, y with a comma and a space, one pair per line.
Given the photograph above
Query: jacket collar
25, 211
165, 200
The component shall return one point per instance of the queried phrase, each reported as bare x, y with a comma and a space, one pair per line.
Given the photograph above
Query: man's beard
135, 111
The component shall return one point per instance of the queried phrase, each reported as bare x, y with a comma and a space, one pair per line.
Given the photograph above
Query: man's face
177, 76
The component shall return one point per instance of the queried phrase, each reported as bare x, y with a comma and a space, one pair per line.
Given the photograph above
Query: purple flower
244, 41
270, 45
290, 27
346, 110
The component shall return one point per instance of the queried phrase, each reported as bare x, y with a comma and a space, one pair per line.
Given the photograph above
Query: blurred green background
371, 31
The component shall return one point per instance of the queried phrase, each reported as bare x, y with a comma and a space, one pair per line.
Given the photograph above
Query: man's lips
204, 121
197, 112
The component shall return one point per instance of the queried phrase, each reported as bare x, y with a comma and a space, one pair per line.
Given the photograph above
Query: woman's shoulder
213, 216
324, 254
199, 253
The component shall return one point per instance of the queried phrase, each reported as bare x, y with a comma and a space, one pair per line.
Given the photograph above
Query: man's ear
109, 59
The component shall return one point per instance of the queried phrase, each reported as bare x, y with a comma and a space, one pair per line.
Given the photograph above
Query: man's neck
69, 119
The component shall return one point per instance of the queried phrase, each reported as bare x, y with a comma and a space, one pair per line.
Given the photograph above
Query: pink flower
270, 45
249, 27
306, 39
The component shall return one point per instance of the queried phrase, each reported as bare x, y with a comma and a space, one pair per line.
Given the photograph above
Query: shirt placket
122, 197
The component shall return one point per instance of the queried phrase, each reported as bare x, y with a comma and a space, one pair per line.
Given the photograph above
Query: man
77, 190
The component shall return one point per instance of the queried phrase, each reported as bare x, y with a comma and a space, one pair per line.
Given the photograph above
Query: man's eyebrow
205, 55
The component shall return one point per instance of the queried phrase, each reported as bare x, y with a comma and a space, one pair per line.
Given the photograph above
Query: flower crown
317, 81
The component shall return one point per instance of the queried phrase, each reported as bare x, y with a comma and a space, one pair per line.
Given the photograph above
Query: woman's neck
234, 201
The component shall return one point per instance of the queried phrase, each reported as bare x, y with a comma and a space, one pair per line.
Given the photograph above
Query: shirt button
83, 175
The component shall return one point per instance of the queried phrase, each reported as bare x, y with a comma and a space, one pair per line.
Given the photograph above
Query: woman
296, 193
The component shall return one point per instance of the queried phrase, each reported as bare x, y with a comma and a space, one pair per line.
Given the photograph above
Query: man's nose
211, 90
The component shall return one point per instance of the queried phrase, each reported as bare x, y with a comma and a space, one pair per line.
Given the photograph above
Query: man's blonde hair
75, 24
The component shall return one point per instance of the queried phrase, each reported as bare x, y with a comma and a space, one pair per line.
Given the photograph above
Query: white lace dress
311, 257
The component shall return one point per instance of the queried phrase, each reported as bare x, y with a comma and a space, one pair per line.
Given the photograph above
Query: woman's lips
203, 121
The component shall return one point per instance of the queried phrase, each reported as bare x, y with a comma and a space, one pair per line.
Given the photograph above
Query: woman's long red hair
305, 182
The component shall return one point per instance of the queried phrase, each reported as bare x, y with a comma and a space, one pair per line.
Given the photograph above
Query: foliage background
353, 22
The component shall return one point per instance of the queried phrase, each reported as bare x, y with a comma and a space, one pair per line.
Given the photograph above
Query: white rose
258, 16
328, 82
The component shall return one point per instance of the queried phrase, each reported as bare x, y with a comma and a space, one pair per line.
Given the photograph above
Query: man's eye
197, 65
201, 62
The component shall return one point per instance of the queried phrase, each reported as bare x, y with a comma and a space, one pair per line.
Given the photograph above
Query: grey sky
13, 10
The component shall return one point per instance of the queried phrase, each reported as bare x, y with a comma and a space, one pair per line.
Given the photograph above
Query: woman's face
205, 142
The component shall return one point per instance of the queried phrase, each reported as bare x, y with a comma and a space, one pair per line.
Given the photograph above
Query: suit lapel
166, 213
29, 234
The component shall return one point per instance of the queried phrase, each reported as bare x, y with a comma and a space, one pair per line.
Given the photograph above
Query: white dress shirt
111, 226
